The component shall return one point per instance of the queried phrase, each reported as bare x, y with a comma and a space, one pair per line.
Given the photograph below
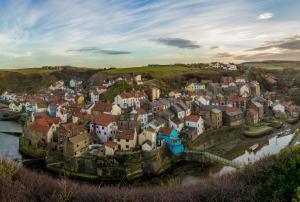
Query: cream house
126, 139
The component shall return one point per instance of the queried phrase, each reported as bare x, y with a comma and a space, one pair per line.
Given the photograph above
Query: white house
138, 79
245, 91
195, 121
74, 83
94, 96
203, 100
142, 117
130, 99
277, 107
176, 124
104, 126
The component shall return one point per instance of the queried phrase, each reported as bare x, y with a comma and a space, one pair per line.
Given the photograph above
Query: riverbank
273, 177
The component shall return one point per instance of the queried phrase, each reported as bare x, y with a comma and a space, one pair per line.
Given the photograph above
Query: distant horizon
3, 68
100, 34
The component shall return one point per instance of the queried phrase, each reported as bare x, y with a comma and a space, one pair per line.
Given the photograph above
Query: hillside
274, 178
273, 64
32, 79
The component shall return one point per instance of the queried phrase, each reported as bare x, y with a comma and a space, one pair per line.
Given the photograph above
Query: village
73, 129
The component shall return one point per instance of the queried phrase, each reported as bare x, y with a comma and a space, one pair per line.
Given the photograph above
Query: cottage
126, 139
130, 99
195, 121
176, 124
216, 120
75, 146
110, 148
104, 126
252, 116
105, 108
234, 116
153, 93
94, 95
142, 117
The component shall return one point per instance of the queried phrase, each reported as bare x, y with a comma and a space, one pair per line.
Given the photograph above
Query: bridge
202, 156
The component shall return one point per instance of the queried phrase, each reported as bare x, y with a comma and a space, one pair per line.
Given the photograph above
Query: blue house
52, 110
171, 138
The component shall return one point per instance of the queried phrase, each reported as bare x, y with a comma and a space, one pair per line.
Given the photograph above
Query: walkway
215, 157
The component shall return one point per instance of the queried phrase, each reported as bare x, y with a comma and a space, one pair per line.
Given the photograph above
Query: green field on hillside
274, 65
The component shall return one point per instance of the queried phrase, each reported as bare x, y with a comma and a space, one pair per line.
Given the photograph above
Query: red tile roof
165, 131
192, 118
125, 134
111, 144
105, 119
39, 128
102, 107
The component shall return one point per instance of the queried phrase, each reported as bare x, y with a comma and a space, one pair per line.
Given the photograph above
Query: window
127, 146
127, 140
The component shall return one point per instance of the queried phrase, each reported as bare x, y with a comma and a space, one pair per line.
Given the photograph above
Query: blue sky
103, 33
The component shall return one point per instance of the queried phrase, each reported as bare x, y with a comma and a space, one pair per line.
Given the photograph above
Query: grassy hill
33, 79
273, 64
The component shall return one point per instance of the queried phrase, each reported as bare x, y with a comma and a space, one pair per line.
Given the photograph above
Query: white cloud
265, 16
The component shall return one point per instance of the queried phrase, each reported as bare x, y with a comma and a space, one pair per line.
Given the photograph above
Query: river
9, 143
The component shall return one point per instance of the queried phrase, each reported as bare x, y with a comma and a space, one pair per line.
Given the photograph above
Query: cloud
113, 52
214, 47
95, 50
290, 43
177, 42
265, 16
223, 55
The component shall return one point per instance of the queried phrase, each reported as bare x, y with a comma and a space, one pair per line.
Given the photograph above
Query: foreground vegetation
275, 178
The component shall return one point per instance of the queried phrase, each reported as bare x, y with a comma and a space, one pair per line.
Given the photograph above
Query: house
147, 146
234, 116
40, 131
190, 87
94, 95
216, 65
130, 99
128, 121
175, 94
244, 90
106, 108
75, 146
202, 100
259, 108
216, 120
138, 79
171, 138
74, 83
176, 124
252, 117
156, 124
104, 126
110, 148
147, 135
126, 139
255, 88
240, 80
81, 117
277, 107
195, 121
159, 105
142, 117
15, 107
153, 93
230, 67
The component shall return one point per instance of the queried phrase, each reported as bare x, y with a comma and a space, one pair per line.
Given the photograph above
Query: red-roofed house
130, 99
104, 126
194, 121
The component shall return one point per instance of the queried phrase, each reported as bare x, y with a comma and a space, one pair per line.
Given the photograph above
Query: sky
118, 33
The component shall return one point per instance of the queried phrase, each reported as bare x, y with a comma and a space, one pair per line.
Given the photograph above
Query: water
241, 154
9, 144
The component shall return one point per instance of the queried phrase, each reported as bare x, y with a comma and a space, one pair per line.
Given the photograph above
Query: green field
274, 65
